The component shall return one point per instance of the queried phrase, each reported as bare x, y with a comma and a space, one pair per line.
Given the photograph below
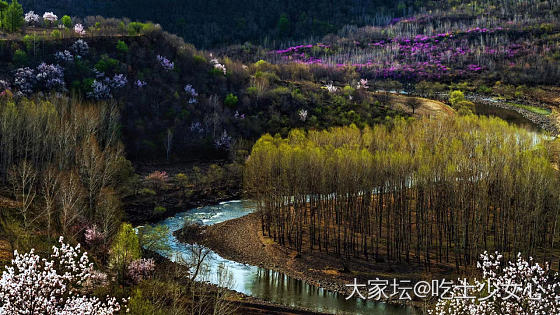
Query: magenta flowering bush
417, 48
141, 269
57, 285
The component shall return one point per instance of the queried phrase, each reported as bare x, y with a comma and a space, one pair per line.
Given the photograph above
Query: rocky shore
245, 304
241, 240
546, 122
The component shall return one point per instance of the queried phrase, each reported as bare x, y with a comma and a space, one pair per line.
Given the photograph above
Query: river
262, 283
510, 116
277, 287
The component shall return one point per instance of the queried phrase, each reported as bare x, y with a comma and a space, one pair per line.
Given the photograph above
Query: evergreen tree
13, 18
283, 26
3, 7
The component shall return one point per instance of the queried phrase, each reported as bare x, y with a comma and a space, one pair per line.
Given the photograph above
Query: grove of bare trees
61, 156
425, 191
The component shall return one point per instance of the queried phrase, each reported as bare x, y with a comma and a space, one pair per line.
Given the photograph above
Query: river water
510, 116
277, 287
262, 283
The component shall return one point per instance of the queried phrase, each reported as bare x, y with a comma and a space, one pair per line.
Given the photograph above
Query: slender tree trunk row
425, 192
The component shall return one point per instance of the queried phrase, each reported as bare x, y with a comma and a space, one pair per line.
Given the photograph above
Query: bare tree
168, 143
22, 177
50, 190
71, 202
223, 304
108, 213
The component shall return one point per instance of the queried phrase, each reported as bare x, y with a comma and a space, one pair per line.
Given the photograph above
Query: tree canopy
425, 191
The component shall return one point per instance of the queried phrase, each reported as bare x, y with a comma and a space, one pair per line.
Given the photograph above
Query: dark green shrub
134, 28
231, 100
107, 64
159, 209
122, 47
66, 21
20, 57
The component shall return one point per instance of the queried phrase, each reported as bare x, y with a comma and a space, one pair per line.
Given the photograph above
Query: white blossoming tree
58, 285
331, 88
50, 18
31, 18
520, 287
79, 29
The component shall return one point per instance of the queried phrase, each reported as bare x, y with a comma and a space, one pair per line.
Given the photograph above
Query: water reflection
260, 282
510, 116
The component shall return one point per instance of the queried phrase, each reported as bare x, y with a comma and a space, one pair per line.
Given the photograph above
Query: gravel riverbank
546, 122
241, 240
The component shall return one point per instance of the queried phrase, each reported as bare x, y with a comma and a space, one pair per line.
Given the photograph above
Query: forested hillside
211, 23
369, 158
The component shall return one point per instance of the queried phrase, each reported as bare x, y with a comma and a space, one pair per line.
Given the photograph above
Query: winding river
510, 116
277, 287
262, 283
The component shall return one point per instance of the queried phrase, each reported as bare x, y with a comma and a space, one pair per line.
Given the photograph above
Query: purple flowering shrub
141, 269
50, 76
165, 63
196, 128
118, 81
140, 83
224, 141
80, 47
25, 80
45, 77
99, 90
417, 48
191, 93
64, 56
104, 88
